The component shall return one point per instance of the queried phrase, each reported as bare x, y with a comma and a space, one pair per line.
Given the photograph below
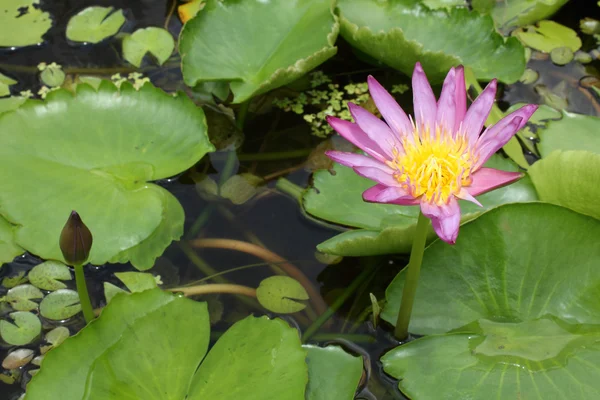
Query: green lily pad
506, 318
572, 132
61, 304
156, 41
8, 248
241, 187
508, 265
11, 281
570, 179
130, 141
508, 14
49, 274
137, 281
52, 76
281, 294
94, 24
149, 345
333, 373
110, 291
11, 103
401, 32
5, 82
385, 228
22, 28
25, 329
549, 35
57, 335
273, 43
20, 297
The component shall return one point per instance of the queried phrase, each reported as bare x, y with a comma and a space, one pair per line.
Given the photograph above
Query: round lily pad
94, 24
61, 304
20, 297
506, 317
17, 358
156, 41
57, 335
273, 43
333, 373
49, 274
22, 23
281, 294
99, 147
23, 328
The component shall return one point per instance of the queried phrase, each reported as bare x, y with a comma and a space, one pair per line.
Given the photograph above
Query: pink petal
494, 137
478, 113
377, 130
357, 160
445, 219
423, 99
377, 175
446, 106
460, 97
352, 133
389, 194
487, 179
465, 195
393, 114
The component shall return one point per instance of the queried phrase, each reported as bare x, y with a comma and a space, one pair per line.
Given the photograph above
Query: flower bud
75, 240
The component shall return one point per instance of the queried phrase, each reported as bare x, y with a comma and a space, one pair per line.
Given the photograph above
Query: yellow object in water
189, 10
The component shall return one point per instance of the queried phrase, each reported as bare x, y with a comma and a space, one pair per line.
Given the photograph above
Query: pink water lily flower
434, 159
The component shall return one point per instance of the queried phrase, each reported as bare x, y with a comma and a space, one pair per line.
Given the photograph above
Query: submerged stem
215, 288
84, 297
412, 277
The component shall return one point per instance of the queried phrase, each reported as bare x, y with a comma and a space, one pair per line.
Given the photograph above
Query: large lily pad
508, 318
149, 345
572, 132
95, 152
257, 45
570, 179
384, 228
401, 32
8, 248
22, 23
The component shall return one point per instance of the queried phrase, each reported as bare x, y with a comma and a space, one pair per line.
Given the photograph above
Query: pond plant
237, 204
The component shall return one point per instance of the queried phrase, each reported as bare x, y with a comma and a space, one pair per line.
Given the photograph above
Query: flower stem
290, 188
241, 115
84, 297
412, 277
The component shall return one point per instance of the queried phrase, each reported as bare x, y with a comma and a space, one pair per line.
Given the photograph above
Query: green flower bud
75, 240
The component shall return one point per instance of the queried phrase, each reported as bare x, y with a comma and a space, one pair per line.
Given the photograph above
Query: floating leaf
388, 228
283, 40
137, 281
156, 41
130, 141
164, 336
549, 35
52, 76
5, 82
57, 335
61, 304
517, 318
281, 294
11, 103
572, 132
333, 373
26, 327
241, 188
570, 179
8, 248
401, 32
11, 281
20, 297
513, 13
49, 274
376, 309
94, 24
22, 23
17, 358
110, 291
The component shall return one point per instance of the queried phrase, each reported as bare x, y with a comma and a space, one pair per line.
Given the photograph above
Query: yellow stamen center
434, 166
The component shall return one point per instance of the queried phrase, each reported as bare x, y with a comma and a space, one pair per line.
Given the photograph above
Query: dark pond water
272, 218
